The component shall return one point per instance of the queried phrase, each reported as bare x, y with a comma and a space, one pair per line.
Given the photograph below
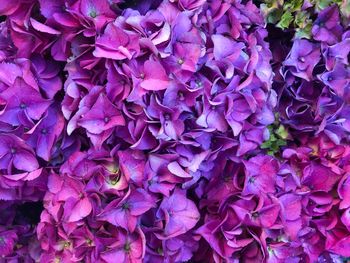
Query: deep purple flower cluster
313, 86
131, 131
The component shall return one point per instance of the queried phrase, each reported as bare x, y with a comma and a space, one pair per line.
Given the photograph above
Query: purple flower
238, 112
337, 52
22, 104
159, 178
69, 194
154, 76
9, 7
73, 102
338, 242
132, 165
151, 152
181, 248
99, 11
343, 192
77, 209
102, 116
171, 126
291, 208
46, 133
251, 138
126, 211
266, 216
302, 58
115, 43
10, 72
118, 86
178, 95
327, 26
213, 115
127, 247
47, 74
179, 214
84, 243
282, 251
261, 174
81, 164
8, 240
190, 4
226, 48
183, 62
141, 136
338, 79
15, 152
319, 178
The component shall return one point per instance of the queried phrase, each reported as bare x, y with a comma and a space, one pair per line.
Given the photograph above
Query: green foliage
286, 20
345, 10
297, 14
278, 138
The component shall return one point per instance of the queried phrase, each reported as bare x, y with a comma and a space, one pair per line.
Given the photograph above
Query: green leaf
271, 153
265, 145
322, 4
272, 138
293, 5
270, 128
274, 16
345, 8
304, 32
277, 118
282, 132
281, 143
274, 148
302, 19
286, 20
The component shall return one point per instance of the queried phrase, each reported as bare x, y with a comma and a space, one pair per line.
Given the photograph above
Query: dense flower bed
174, 131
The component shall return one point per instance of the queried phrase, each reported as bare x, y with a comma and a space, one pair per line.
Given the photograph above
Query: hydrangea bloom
173, 131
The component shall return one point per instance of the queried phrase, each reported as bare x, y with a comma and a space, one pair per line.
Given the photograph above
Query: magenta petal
341, 247
177, 170
140, 202
180, 214
25, 161
111, 255
116, 44
225, 47
344, 192
82, 209
155, 76
102, 116
43, 28
268, 215
319, 177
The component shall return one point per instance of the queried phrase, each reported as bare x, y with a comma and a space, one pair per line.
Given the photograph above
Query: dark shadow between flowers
29, 212
141, 5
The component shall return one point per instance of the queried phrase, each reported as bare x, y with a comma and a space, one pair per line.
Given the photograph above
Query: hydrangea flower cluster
171, 131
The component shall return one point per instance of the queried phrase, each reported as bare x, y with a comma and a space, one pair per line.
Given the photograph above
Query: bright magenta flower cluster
171, 131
